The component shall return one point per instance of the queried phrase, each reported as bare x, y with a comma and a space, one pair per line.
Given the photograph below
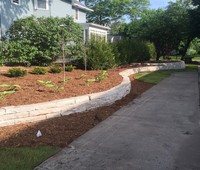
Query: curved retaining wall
35, 112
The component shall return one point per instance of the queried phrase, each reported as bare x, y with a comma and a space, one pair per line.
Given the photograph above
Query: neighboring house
11, 10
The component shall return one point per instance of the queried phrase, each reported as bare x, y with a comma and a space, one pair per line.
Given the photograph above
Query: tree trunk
185, 48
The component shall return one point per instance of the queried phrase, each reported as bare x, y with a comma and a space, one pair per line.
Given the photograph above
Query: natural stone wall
35, 112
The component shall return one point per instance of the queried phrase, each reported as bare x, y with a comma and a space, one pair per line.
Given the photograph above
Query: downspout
50, 2
1, 32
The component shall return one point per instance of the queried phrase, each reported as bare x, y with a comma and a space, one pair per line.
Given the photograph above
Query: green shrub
70, 68
55, 69
17, 72
100, 55
18, 53
39, 70
135, 51
37, 41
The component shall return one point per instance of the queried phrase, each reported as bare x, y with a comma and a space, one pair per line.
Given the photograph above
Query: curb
13, 115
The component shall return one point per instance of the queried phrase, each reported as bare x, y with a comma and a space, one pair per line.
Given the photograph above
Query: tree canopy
195, 17
109, 11
165, 28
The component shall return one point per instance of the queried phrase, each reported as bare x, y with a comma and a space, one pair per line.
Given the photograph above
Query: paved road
158, 131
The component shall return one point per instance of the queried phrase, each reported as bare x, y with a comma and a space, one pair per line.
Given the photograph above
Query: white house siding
10, 12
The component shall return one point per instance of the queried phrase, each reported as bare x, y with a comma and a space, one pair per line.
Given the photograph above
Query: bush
17, 53
100, 55
17, 72
70, 68
39, 70
55, 69
135, 51
37, 41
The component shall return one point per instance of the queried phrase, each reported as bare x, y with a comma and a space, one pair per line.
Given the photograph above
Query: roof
95, 25
79, 5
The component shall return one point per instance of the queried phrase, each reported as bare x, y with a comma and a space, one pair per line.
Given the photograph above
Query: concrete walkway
158, 131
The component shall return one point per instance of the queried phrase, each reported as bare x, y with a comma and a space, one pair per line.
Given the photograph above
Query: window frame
15, 3
38, 8
77, 14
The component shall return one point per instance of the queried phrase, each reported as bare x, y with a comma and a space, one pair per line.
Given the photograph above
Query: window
16, 2
42, 4
97, 34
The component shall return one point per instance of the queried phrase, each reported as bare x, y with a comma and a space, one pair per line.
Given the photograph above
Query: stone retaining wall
35, 112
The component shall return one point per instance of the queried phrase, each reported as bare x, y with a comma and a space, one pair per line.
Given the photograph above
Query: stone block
14, 116
30, 119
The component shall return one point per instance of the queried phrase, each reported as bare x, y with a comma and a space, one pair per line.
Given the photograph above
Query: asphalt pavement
159, 130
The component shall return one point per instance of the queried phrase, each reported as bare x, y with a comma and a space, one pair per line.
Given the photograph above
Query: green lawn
196, 57
153, 77
157, 76
191, 67
24, 158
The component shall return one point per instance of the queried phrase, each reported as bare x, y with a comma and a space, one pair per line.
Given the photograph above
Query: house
11, 10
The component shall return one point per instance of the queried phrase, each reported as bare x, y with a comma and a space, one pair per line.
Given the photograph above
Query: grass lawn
157, 76
152, 77
24, 158
196, 57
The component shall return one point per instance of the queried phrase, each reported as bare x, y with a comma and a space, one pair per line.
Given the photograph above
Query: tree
109, 11
195, 18
165, 28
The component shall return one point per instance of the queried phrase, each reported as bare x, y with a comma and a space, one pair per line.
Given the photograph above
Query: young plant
10, 89
16, 72
81, 76
50, 85
39, 70
55, 69
70, 68
101, 77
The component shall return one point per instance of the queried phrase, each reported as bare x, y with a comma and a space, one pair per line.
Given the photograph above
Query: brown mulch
63, 130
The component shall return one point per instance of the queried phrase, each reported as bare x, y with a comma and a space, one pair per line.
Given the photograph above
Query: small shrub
70, 68
39, 70
17, 72
55, 69
100, 55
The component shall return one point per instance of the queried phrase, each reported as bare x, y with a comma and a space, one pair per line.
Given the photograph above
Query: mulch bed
63, 130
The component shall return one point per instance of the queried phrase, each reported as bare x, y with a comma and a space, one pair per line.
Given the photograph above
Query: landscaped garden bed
77, 83
63, 130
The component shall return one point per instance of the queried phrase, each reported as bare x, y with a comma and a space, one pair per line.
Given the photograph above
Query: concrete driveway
158, 131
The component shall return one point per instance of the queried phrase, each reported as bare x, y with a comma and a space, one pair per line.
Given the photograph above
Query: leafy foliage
70, 68
165, 28
17, 72
195, 18
133, 50
10, 89
195, 46
106, 12
102, 75
49, 84
37, 41
55, 69
100, 55
39, 70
